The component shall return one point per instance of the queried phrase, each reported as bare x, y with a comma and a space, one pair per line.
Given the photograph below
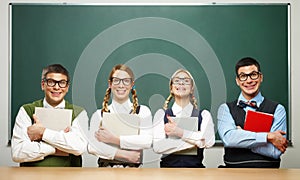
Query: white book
121, 123
187, 123
55, 119
190, 124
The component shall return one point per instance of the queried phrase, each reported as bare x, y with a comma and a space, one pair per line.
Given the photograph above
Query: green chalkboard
154, 40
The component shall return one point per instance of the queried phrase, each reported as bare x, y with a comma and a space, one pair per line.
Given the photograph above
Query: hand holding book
172, 128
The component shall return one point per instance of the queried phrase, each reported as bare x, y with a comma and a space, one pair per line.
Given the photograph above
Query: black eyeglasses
52, 83
185, 81
254, 75
125, 81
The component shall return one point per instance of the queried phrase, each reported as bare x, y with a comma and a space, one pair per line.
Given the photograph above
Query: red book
258, 121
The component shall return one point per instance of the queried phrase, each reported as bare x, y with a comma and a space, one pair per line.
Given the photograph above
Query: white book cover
191, 124
187, 123
55, 119
121, 123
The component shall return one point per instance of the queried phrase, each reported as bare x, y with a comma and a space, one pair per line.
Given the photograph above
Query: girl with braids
181, 147
121, 151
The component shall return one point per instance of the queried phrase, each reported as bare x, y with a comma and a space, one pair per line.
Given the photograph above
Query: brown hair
106, 98
192, 97
55, 68
246, 61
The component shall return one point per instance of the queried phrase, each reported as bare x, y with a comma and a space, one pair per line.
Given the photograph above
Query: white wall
213, 157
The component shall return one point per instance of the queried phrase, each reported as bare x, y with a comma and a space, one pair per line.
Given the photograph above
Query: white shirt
203, 139
25, 150
131, 142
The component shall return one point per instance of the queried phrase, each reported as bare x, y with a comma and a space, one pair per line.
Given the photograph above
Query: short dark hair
55, 68
246, 61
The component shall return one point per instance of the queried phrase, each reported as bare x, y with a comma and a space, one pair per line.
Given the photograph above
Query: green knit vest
54, 161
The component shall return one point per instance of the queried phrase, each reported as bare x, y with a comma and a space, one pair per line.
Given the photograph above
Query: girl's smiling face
182, 85
121, 85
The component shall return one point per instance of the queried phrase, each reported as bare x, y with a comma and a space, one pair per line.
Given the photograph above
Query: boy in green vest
35, 145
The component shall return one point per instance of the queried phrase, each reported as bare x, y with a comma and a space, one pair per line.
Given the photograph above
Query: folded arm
276, 138
23, 149
73, 141
232, 136
203, 139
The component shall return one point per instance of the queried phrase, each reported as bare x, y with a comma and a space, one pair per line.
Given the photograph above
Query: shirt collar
258, 98
182, 112
121, 108
59, 106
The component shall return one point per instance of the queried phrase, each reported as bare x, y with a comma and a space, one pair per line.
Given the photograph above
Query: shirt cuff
104, 152
261, 138
48, 135
47, 149
135, 142
191, 135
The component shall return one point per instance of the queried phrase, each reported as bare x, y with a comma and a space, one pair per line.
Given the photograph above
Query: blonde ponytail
165, 107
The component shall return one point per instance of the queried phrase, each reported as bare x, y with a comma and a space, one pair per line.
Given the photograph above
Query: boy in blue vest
35, 145
246, 149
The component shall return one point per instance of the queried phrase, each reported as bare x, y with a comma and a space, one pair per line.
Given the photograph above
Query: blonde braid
193, 101
105, 100
135, 100
165, 107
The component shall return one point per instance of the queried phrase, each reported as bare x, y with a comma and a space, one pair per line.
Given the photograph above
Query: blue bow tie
244, 104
